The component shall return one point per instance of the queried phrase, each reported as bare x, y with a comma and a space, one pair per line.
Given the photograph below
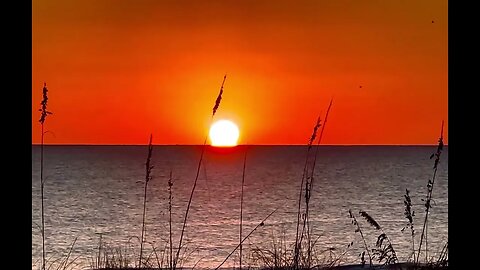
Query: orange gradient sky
119, 70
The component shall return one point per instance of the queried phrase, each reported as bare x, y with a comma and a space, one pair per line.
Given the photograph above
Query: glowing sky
119, 70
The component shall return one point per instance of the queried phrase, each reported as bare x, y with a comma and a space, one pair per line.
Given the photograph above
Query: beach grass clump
63, 261
279, 255
358, 229
113, 256
428, 198
303, 253
383, 250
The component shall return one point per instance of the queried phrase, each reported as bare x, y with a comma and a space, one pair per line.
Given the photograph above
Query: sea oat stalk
298, 241
214, 110
429, 196
409, 214
241, 206
384, 252
309, 187
44, 113
308, 177
219, 97
318, 142
170, 184
148, 177
359, 229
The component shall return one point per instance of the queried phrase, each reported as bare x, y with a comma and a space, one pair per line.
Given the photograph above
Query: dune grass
148, 177
214, 110
43, 117
307, 179
280, 256
428, 199
241, 207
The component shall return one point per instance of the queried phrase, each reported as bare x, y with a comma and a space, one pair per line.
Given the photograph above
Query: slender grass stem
429, 197
359, 229
42, 199
309, 177
297, 242
246, 237
148, 170
214, 110
241, 206
170, 184
44, 114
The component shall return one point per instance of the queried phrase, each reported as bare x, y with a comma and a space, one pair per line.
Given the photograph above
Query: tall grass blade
241, 206
43, 117
148, 177
246, 237
215, 107
429, 197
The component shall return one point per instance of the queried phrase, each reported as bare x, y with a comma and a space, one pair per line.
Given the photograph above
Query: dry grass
279, 255
214, 110
409, 214
428, 199
241, 206
43, 117
148, 177
308, 179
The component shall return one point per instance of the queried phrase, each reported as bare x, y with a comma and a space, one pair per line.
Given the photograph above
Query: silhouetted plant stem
43, 116
442, 259
148, 170
99, 251
64, 263
241, 206
388, 253
429, 196
188, 205
426, 243
246, 237
318, 142
306, 219
309, 187
214, 110
170, 184
297, 240
358, 229
296, 252
307, 222
43, 213
409, 214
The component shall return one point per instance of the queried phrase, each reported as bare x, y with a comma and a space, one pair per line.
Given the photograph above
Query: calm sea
93, 191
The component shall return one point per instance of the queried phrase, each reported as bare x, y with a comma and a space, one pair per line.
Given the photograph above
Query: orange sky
119, 70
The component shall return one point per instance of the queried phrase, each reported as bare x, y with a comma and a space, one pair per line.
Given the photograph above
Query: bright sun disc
224, 133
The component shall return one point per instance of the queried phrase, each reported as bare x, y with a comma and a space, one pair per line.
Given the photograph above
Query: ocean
94, 196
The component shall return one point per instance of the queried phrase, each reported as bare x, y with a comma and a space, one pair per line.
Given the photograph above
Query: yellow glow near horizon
224, 133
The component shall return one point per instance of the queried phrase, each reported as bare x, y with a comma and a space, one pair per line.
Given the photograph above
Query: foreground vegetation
305, 253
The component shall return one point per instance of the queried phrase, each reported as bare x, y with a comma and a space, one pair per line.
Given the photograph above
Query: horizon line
178, 144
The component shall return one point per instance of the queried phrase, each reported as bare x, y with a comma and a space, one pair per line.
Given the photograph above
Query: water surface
93, 190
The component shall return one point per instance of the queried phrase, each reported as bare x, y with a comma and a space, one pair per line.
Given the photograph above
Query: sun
224, 133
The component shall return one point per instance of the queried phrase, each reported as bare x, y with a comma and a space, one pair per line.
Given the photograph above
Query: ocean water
95, 193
